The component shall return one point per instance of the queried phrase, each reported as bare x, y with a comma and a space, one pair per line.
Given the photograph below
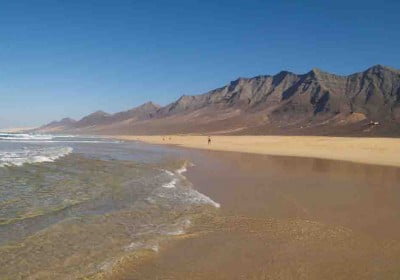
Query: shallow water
362, 197
286, 218
280, 217
72, 206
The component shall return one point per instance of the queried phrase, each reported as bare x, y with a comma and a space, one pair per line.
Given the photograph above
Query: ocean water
73, 206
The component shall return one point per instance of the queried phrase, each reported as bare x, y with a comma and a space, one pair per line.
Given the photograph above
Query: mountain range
314, 103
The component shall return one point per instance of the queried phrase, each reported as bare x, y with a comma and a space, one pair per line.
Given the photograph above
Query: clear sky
72, 57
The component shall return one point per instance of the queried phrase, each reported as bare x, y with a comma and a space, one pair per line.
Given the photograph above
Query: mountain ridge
316, 102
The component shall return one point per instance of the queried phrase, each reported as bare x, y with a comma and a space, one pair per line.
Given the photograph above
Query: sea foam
32, 155
24, 137
189, 195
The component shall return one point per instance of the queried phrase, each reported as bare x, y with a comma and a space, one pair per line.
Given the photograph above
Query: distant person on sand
209, 140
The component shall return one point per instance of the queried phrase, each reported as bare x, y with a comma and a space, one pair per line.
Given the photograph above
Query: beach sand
283, 217
380, 151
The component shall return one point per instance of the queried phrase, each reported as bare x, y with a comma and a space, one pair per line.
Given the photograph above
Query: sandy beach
380, 151
282, 217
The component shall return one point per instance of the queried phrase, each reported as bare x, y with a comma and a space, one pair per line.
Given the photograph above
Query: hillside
365, 103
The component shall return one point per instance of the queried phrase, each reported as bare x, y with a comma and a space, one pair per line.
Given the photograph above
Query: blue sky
73, 57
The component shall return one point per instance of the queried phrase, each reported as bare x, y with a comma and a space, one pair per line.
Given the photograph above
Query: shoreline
376, 151
280, 217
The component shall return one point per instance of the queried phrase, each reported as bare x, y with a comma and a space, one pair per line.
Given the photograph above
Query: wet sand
381, 151
282, 218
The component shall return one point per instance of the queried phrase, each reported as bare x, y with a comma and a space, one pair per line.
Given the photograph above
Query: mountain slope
286, 103
64, 124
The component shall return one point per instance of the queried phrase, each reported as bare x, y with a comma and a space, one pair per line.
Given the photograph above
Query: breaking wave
24, 136
32, 155
138, 195
45, 138
182, 193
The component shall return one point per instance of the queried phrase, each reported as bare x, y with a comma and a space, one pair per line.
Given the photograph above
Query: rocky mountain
96, 118
366, 103
143, 112
65, 123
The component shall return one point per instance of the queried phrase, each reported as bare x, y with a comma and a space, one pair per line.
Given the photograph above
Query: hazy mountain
65, 123
143, 112
286, 103
93, 119
100, 119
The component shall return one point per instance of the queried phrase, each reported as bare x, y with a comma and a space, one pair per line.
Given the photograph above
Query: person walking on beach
209, 140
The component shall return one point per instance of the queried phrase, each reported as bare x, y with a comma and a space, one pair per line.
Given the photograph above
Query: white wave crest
22, 156
142, 245
181, 170
183, 193
171, 184
169, 172
24, 136
196, 197
174, 175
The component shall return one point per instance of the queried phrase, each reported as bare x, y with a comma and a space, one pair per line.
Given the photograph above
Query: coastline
376, 151
272, 216
281, 218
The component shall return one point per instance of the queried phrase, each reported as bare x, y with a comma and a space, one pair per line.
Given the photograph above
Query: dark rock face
313, 103
375, 92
